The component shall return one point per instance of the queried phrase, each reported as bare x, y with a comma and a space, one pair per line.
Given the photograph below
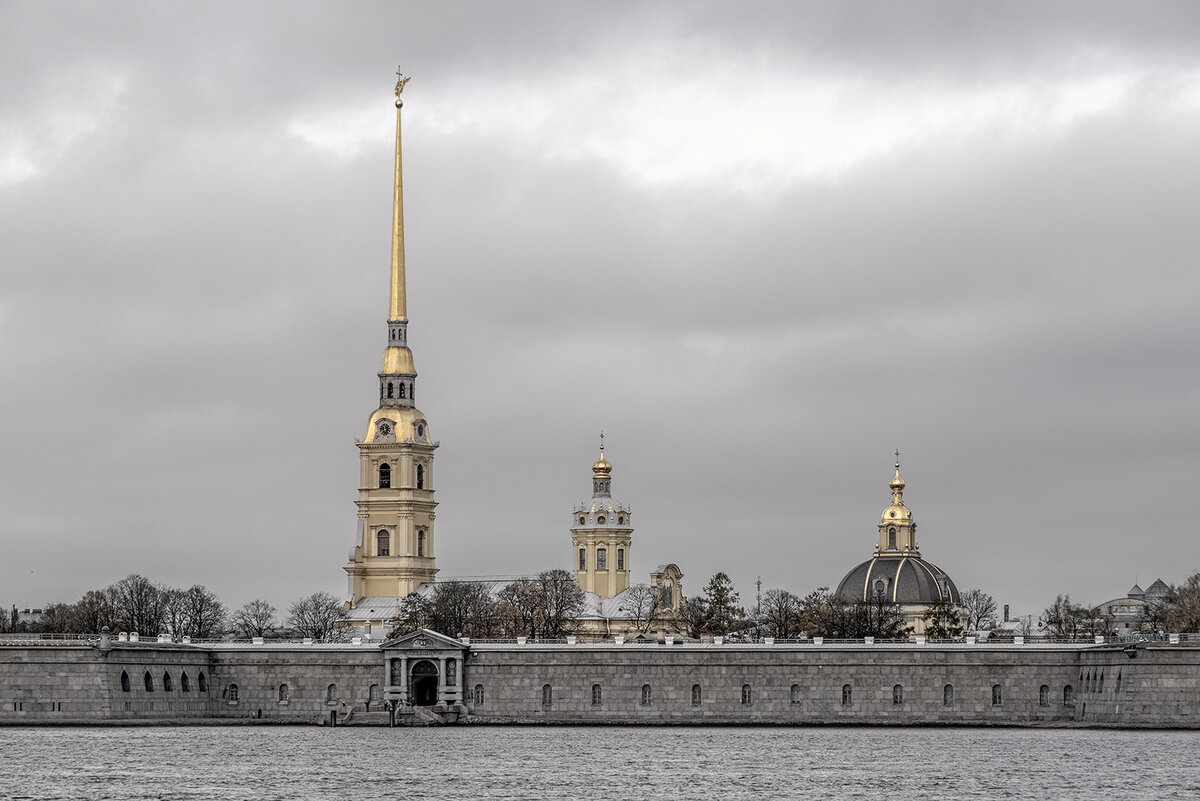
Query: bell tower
897, 529
600, 536
394, 554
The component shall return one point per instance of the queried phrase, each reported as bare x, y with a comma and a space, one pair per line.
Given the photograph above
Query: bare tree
1065, 618
94, 612
641, 604
562, 602
318, 616
255, 619
206, 615
137, 604
546, 606
692, 616
175, 616
452, 607
979, 610
780, 613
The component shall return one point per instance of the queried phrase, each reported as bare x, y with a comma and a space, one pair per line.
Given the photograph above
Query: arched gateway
424, 683
423, 669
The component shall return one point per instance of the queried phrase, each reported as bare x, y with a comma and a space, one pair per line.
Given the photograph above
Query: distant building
1137, 611
896, 573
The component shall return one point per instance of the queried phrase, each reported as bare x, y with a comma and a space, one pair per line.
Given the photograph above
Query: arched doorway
424, 683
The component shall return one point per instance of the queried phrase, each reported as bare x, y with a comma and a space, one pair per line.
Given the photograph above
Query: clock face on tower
384, 429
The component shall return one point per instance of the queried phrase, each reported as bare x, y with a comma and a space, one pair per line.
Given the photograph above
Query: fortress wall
1155, 685
62, 683
512, 681
1159, 685
306, 670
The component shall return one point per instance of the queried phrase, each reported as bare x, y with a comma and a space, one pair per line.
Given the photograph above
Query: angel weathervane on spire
401, 80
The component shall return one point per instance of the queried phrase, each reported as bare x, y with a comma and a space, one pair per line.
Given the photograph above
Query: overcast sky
761, 246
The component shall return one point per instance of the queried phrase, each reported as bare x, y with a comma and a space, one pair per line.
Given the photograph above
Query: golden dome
602, 468
398, 360
897, 511
401, 422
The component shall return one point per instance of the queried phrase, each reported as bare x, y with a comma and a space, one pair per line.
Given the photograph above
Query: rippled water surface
620, 763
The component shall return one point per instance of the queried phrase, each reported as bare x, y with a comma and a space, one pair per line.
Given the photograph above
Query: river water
620, 763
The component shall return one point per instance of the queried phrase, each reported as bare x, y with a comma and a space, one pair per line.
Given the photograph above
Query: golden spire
398, 309
897, 484
602, 468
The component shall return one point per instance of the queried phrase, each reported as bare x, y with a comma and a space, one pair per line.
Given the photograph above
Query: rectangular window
620, 559
582, 559
601, 559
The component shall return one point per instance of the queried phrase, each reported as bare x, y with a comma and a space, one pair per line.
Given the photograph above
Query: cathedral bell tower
394, 554
600, 535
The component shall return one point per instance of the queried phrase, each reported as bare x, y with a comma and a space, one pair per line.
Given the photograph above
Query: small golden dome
602, 468
398, 360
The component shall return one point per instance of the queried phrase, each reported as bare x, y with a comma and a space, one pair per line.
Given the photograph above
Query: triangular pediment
424, 640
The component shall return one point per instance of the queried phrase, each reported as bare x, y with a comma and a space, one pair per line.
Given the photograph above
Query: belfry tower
600, 535
395, 550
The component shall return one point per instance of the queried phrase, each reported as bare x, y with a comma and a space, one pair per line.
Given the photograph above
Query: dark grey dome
901, 579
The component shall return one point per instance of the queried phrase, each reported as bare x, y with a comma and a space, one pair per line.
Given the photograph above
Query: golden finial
400, 81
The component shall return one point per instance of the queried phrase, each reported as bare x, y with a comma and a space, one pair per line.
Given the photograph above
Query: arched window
203, 682
948, 695
583, 559
697, 694
645, 695
185, 684
847, 695
124, 682
420, 543
997, 695
747, 695
620, 559
1044, 695
897, 695
331, 694
1118, 681
391, 389
284, 694
478, 695
582, 520
167, 685
620, 520
602, 559
880, 587
412, 395
1068, 695
597, 695
601, 519
233, 693
148, 680
385, 476
402, 389
667, 595
383, 543
892, 537
795, 694
547, 696
1102, 681
420, 476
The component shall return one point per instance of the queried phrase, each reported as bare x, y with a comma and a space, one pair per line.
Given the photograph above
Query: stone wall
1155, 685
650, 683
770, 684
